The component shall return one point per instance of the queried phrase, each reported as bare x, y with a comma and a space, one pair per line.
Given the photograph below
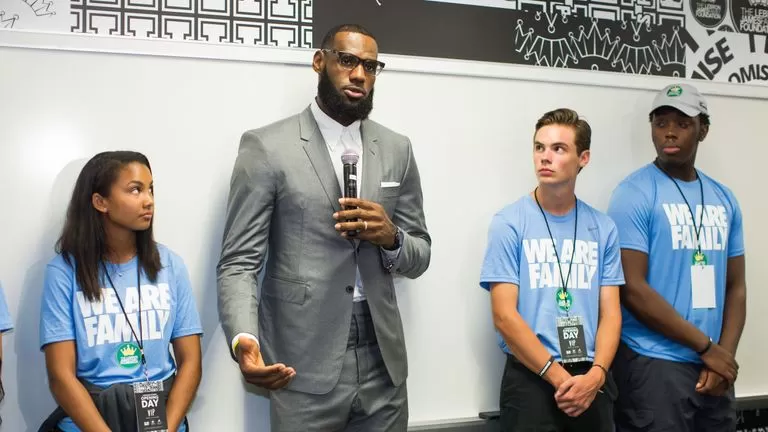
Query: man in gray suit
322, 329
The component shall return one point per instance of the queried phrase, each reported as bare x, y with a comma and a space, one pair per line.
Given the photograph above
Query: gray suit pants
364, 399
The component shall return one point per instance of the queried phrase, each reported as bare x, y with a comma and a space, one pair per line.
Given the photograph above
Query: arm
415, 252
608, 330
735, 304
520, 338
735, 312
631, 210
577, 394
734, 316
57, 341
246, 235
609, 318
651, 309
500, 274
186, 351
246, 232
185, 339
67, 390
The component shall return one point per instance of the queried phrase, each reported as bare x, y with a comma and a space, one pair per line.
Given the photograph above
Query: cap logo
674, 91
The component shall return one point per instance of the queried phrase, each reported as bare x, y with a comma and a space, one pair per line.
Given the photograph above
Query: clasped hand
577, 393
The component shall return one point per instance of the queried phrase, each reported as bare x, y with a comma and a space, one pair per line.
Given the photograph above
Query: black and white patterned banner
654, 37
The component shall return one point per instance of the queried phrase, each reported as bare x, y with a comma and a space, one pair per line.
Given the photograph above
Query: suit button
350, 289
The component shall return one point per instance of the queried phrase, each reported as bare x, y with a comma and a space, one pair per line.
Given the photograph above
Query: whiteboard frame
395, 63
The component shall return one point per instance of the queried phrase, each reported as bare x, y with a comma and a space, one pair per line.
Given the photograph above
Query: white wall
471, 137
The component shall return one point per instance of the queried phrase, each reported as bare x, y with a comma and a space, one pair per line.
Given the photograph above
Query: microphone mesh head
349, 157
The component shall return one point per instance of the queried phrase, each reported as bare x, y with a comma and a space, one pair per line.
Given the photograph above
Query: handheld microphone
349, 160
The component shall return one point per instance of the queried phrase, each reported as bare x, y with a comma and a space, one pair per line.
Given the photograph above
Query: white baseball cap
683, 97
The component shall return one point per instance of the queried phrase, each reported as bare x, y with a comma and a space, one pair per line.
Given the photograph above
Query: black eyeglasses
350, 61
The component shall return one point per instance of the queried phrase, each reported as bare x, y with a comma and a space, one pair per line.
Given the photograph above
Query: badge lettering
149, 401
570, 333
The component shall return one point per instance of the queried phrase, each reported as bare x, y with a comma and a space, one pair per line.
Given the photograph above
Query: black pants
660, 396
528, 403
115, 405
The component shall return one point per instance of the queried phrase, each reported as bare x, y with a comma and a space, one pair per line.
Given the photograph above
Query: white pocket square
390, 184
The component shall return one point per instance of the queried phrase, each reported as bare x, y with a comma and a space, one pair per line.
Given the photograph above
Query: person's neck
338, 118
556, 200
684, 172
121, 244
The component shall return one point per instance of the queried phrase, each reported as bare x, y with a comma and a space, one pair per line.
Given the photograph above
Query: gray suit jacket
283, 193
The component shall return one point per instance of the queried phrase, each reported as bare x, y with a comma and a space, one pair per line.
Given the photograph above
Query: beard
335, 101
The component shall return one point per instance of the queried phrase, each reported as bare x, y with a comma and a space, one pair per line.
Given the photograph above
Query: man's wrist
706, 348
395, 242
236, 341
556, 375
598, 373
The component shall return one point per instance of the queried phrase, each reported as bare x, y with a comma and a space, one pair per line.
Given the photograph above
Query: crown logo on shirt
128, 350
126, 355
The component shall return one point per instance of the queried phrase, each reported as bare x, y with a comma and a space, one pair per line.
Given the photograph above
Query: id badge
570, 332
703, 286
150, 406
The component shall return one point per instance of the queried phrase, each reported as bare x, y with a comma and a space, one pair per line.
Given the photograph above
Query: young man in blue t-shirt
553, 268
685, 296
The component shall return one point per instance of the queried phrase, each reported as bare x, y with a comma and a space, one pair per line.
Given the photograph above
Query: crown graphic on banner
7, 22
40, 7
671, 50
545, 51
594, 40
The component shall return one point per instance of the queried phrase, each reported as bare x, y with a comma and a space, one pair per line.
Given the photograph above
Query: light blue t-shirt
653, 218
6, 323
521, 252
106, 348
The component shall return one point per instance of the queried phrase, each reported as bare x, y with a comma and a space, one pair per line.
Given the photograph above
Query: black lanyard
140, 338
575, 227
697, 230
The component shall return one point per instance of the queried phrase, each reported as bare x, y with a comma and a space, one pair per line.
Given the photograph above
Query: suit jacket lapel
316, 149
371, 164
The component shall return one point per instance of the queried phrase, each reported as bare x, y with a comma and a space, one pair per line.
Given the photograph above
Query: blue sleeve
187, 319
613, 273
501, 262
735, 232
56, 320
6, 323
630, 211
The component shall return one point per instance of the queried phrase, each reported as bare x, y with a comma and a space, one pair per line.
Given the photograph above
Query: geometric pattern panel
283, 23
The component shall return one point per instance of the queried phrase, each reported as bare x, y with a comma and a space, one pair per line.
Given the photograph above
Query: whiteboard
186, 105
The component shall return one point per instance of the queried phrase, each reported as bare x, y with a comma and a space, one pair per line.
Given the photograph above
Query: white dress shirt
339, 138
